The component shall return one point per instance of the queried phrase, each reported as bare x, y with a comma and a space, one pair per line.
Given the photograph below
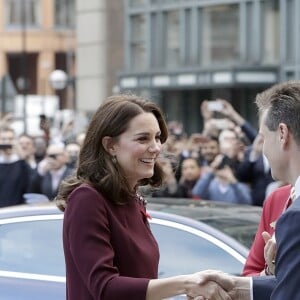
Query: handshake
216, 285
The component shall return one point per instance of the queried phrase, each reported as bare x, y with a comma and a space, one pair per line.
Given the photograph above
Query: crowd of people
34, 164
125, 153
223, 162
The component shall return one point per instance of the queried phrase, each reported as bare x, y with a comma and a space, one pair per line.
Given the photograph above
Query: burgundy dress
110, 252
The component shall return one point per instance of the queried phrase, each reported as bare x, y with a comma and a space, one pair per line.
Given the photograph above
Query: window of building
271, 27
172, 38
155, 40
20, 13
220, 34
290, 31
64, 11
165, 2
138, 42
137, 2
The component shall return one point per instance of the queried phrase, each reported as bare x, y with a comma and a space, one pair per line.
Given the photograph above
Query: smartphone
221, 123
226, 161
5, 146
215, 106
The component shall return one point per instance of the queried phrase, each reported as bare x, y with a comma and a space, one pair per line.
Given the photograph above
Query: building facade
38, 37
182, 52
100, 51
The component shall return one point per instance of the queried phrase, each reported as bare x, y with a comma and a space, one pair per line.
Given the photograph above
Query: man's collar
297, 187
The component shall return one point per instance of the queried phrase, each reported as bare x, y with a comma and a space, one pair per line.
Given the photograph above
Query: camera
226, 161
5, 146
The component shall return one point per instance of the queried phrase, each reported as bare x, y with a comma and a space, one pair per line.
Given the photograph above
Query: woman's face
137, 149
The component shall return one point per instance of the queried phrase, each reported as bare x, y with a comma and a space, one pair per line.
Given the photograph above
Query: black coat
43, 184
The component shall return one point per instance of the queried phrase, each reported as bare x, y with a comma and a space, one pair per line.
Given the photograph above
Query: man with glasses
51, 171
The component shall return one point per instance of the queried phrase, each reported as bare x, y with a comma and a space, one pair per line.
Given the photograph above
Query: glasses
54, 156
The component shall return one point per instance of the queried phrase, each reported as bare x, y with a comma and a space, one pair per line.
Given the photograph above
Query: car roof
199, 209
29, 210
195, 209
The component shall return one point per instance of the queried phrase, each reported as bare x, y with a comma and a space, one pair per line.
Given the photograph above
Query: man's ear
283, 133
109, 145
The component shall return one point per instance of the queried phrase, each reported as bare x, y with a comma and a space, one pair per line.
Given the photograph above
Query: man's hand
209, 289
269, 253
238, 288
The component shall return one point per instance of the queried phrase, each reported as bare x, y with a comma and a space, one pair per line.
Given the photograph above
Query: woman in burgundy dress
110, 252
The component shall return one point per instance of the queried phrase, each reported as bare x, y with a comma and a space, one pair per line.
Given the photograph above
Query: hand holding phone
215, 105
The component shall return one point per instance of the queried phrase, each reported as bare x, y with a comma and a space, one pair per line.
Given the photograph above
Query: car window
32, 247
183, 252
241, 230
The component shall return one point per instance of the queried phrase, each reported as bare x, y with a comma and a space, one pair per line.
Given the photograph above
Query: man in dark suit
286, 284
14, 171
51, 171
279, 109
280, 127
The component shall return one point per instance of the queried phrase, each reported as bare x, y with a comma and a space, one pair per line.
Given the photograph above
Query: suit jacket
286, 283
272, 210
43, 184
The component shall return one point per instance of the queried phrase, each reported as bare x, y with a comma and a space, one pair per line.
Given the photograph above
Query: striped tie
291, 198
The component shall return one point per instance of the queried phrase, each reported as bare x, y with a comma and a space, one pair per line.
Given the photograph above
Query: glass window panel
155, 38
172, 39
196, 252
290, 32
19, 12
137, 2
250, 45
165, 1
64, 13
271, 27
220, 34
138, 42
188, 37
32, 247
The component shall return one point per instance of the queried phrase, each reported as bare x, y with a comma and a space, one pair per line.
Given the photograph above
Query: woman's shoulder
87, 192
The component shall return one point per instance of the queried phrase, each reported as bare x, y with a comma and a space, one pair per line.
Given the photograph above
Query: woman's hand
210, 284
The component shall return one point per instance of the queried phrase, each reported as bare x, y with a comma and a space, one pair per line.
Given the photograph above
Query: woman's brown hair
96, 166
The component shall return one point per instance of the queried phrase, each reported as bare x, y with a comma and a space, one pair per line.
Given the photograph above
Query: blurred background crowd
63, 57
222, 162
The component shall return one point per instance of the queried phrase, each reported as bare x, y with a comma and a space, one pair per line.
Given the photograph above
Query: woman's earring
114, 160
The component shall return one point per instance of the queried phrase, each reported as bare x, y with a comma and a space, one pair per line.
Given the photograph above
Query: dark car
239, 221
31, 254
